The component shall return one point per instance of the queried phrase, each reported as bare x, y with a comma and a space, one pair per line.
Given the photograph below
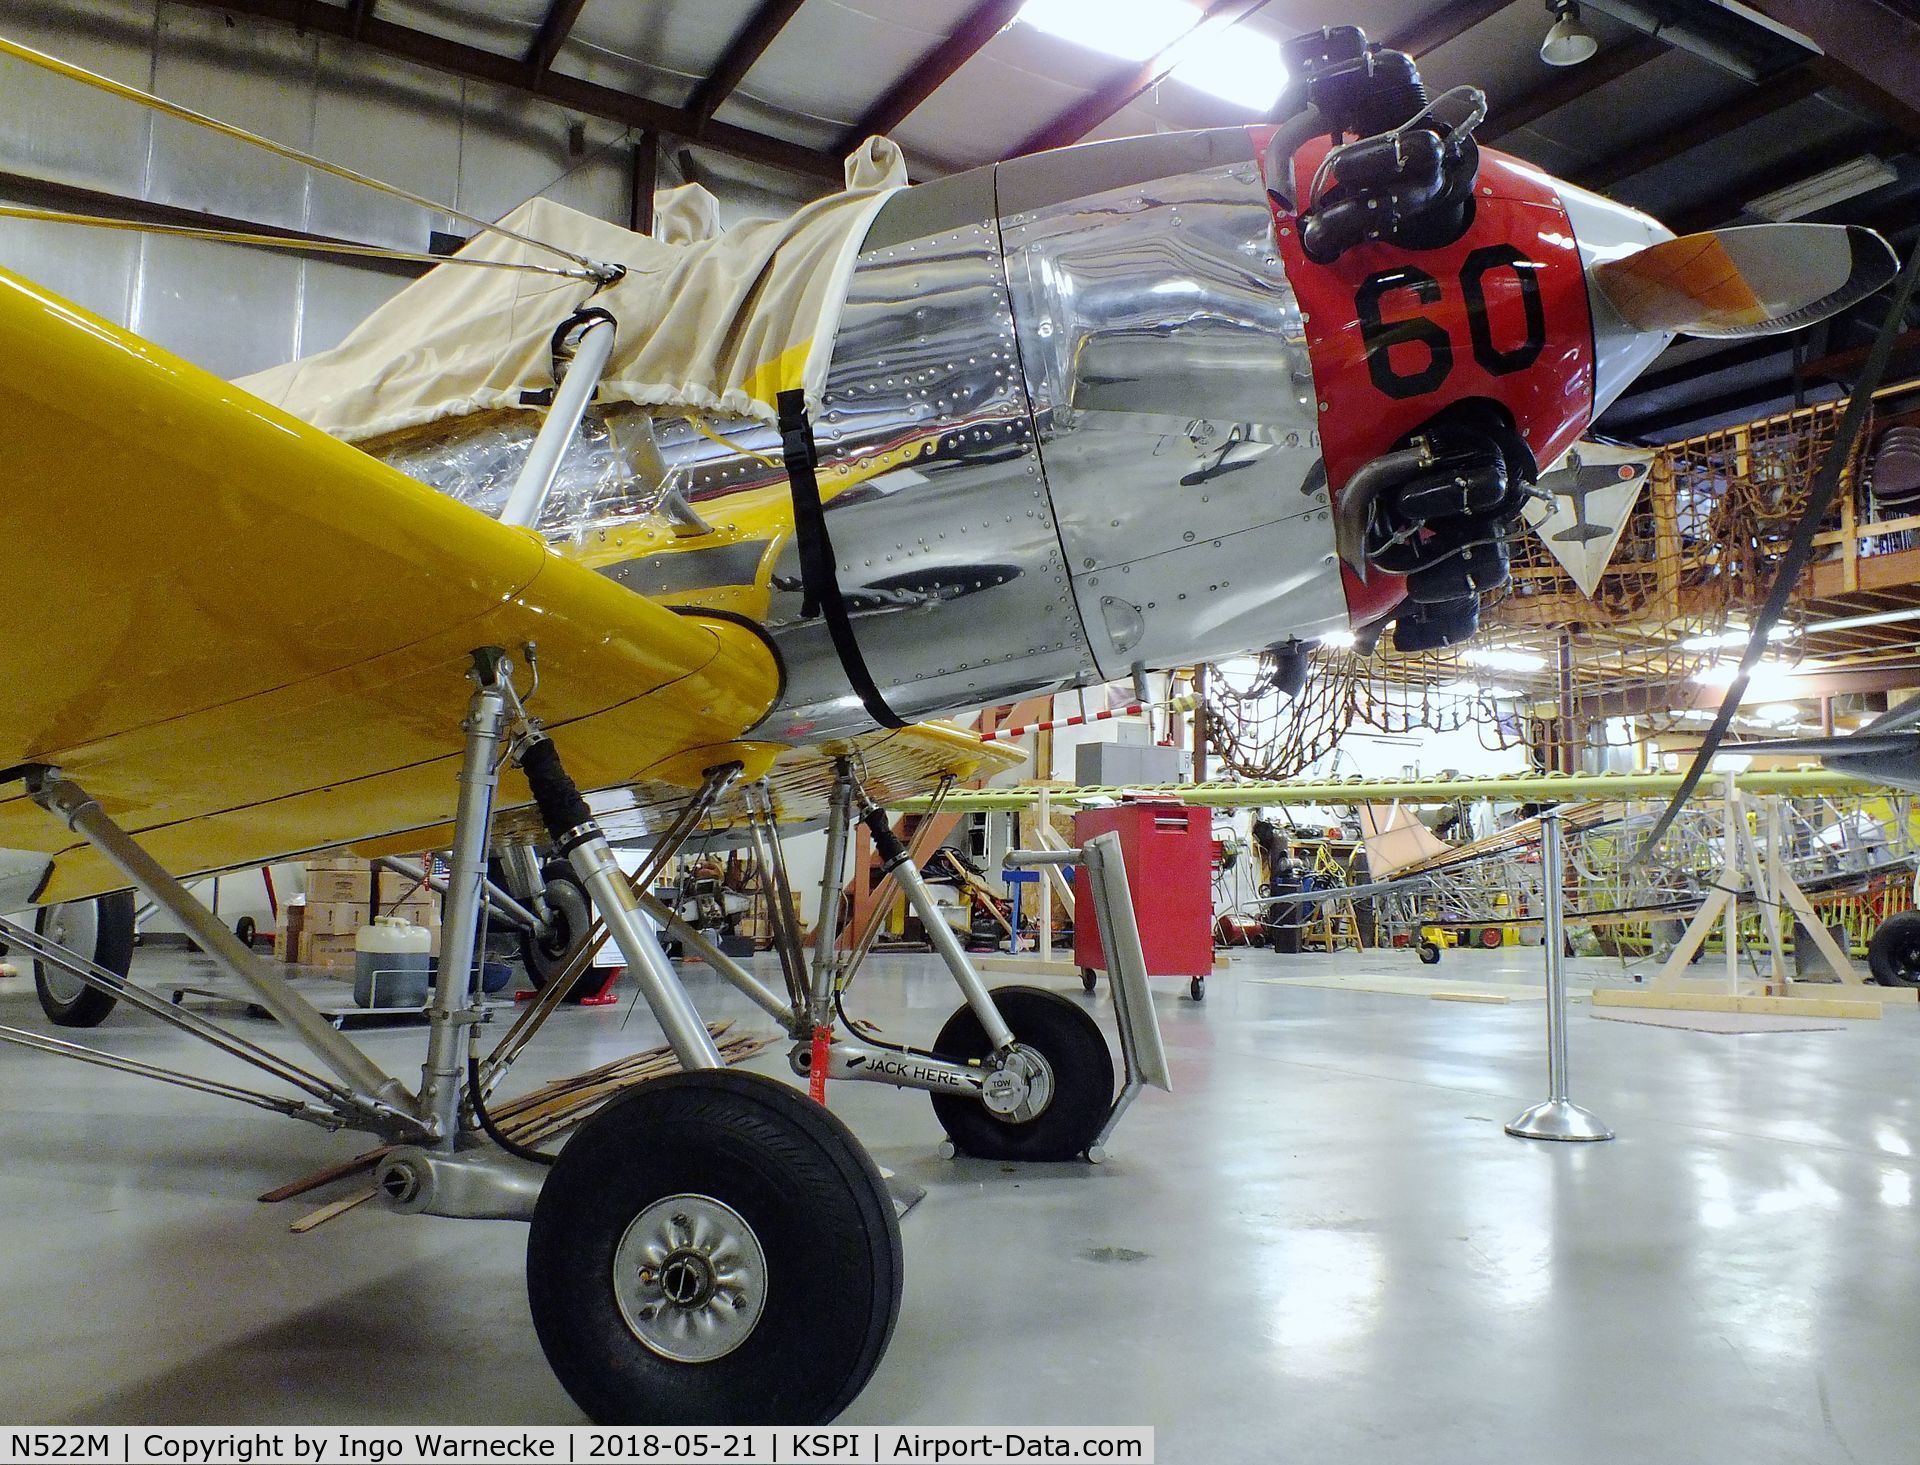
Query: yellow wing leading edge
248, 639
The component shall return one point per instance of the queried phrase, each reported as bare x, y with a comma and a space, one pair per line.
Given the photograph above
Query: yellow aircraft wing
249, 640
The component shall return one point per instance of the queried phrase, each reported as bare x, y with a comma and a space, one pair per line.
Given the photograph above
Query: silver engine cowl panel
1166, 364
1069, 427
950, 562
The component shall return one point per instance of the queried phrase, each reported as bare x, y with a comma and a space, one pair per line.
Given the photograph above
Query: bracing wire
281, 241
596, 270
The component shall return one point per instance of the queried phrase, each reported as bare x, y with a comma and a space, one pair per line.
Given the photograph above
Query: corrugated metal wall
237, 310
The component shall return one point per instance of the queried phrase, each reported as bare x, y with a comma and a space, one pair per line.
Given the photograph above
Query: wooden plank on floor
1498, 998
333, 1208
1726, 1002
327, 1175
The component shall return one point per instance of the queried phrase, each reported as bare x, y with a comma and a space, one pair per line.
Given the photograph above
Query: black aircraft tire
813, 1206
1061, 1032
67, 1001
571, 914
1893, 955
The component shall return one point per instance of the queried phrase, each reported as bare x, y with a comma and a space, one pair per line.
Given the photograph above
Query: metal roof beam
761, 31
510, 73
1730, 203
1764, 100
1870, 47
1448, 23
553, 33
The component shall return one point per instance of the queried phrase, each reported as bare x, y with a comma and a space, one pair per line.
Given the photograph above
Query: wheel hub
687, 1279
1020, 1088
74, 926
690, 1278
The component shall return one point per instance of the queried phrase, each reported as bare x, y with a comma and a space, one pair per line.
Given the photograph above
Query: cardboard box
334, 918
422, 912
333, 952
333, 882
339, 887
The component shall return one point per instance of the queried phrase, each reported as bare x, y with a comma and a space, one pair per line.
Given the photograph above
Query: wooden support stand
1760, 871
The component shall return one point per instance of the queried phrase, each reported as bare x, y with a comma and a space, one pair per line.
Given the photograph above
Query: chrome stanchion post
1556, 1117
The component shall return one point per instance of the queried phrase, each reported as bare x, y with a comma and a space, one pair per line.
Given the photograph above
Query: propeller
1820, 496
1750, 280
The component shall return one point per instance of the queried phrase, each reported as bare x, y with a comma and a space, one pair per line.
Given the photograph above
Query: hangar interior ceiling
1691, 109
1698, 111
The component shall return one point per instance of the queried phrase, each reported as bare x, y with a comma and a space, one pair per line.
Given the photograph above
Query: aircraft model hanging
1132, 404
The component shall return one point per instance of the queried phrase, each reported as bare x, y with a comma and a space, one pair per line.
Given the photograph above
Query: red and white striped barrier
1183, 703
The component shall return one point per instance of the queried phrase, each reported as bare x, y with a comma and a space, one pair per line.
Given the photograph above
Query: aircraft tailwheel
1088, 981
1069, 1080
1429, 953
1197, 989
569, 915
714, 1248
100, 930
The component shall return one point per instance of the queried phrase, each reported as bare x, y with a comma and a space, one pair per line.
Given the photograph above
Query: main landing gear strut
712, 1247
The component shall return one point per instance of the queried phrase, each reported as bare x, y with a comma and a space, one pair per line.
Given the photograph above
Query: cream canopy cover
707, 322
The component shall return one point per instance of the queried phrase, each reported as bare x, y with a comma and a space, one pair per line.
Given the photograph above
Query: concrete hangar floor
1323, 1246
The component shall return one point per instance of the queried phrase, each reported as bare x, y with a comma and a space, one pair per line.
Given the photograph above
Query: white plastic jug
390, 963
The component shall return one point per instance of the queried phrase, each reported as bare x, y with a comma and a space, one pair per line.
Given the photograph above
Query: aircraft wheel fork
714, 1248
1069, 1072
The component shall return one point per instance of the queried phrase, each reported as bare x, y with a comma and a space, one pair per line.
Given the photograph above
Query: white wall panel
390, 120
236, 310
258, 77
228, 309
90, 267
335, 298
52, 128
513, 147
601, 184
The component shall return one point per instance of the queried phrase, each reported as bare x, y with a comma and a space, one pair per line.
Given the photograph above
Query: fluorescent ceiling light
1503, 658
1229, 61
1133, 30
1860, 622
1810, 195
1464, 690
1339, 639
1772, 681
1234, 63
1733, 636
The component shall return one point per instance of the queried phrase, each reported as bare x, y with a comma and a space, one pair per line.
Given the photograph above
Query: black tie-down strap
819, 584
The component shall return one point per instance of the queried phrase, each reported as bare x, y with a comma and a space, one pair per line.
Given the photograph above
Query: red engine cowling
1395, 335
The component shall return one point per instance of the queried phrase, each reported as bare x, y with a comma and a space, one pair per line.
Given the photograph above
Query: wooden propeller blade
1750, 280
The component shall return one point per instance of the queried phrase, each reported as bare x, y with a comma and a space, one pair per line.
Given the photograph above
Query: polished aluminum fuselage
1092, 373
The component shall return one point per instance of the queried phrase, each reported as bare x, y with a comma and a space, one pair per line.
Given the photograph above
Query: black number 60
1380, 336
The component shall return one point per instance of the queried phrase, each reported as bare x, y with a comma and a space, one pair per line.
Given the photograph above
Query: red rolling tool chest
1169, 851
